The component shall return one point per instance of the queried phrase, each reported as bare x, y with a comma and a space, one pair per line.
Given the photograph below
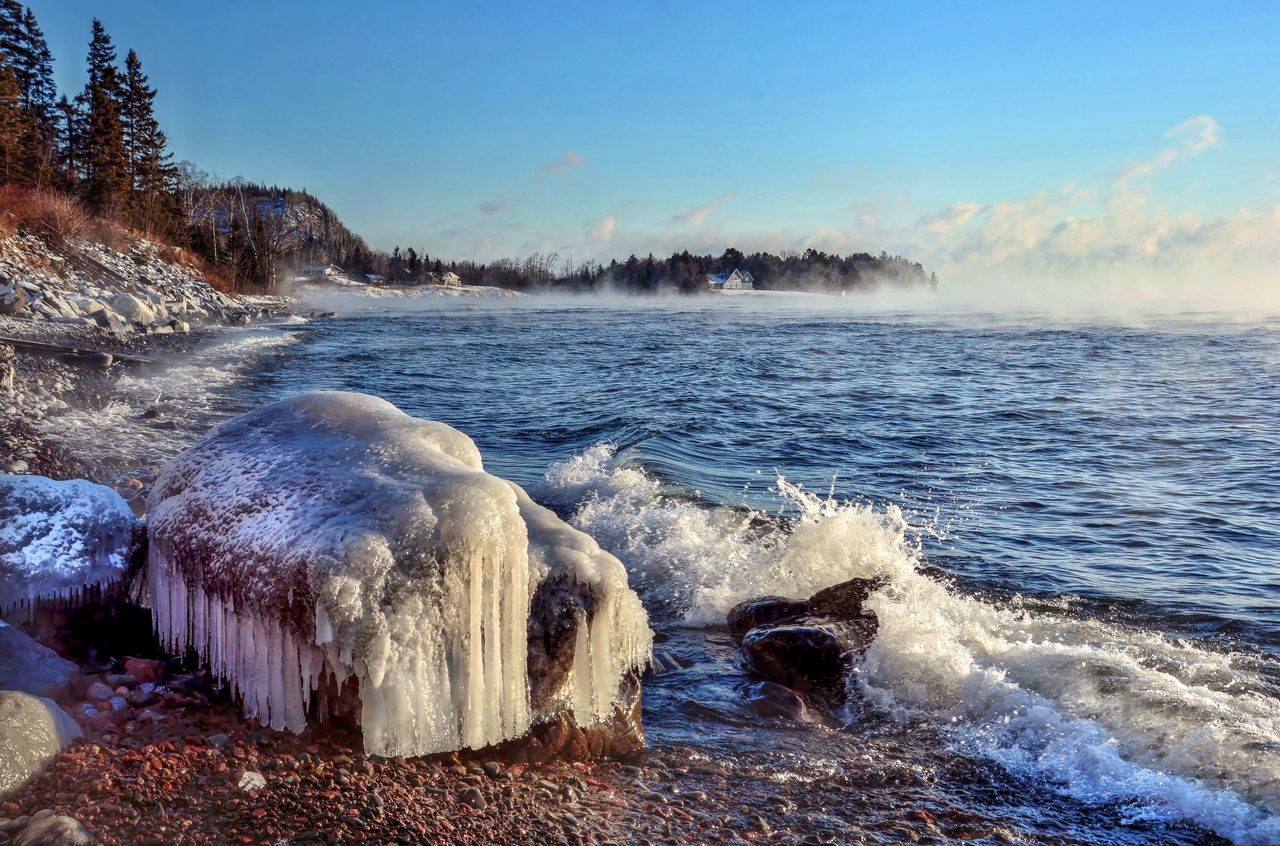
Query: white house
321, 270
738, 280
447, 277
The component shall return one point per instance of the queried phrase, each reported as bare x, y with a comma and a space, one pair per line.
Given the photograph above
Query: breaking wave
1105, 712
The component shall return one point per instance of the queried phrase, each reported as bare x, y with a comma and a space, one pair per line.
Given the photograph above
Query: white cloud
565, 164
698, 216
602, 230
1190, 138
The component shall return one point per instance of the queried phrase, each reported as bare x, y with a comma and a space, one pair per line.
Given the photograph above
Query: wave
157, 412
1106, 713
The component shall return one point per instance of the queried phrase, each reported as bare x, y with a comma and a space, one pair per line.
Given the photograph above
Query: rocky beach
153, 748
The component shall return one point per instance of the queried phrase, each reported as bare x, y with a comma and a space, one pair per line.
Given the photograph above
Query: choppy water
1103, 667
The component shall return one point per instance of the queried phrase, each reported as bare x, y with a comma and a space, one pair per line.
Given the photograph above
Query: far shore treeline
96, 164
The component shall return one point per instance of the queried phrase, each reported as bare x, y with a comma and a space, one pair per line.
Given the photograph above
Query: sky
1083, 138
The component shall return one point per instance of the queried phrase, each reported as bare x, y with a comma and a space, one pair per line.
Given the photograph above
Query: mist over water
1103, 663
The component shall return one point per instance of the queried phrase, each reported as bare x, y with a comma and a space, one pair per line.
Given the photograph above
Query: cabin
447, 277
738, 280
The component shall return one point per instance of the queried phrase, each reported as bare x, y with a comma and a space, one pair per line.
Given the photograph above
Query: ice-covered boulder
33, 731
60, 541
33, 668
330, 541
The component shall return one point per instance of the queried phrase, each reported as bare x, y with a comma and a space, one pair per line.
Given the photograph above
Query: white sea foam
183, 391
1106, 713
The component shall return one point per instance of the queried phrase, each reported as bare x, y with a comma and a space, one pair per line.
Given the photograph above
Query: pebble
473, 797
251, 780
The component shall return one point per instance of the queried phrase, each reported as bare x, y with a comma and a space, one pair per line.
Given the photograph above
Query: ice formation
330, 536
59, 541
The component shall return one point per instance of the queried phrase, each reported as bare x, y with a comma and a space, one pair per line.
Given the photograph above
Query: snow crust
330, 536
59, 540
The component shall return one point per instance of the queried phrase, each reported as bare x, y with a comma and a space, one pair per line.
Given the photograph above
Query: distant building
738, 280
321, 270
373, 277
447, 277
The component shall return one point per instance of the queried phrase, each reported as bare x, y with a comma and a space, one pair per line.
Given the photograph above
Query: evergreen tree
24, 50
106, 164
13, 127
152, 174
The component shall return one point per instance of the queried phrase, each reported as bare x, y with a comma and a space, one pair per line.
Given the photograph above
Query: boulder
32, 668
808, 647
765, 611
844, 601
329, 549
811, 657
60, 541
33, 731
132, 308
12, 298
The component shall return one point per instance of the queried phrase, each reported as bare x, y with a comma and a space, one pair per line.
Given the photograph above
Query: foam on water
185, 392
1104, 712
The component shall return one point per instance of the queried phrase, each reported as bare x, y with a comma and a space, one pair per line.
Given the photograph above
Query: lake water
1103, 664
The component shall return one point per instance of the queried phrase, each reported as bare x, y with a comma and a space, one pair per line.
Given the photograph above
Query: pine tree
13, 127
106, 164
24, 50
151, 171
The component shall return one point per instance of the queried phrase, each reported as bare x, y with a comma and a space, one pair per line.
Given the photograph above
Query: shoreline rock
330, 555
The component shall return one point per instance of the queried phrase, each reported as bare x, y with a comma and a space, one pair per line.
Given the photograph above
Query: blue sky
482, 130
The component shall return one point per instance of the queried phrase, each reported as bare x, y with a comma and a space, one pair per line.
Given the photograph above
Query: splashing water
1106, 713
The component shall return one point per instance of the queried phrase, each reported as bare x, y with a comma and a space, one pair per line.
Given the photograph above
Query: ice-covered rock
59, 540
33, 668
33, 731
330, 540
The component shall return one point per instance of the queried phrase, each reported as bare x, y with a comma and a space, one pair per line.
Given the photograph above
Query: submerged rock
329, 547
33, 731
60, 541
30, 667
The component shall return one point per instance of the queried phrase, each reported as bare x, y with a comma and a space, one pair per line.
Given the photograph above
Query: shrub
50, 215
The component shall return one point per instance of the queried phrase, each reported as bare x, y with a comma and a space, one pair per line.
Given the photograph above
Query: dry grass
49, 215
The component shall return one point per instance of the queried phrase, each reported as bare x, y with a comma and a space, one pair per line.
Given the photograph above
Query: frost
59, 541
330, 536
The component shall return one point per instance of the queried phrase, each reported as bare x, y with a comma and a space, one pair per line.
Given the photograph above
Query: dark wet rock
770, 699
807, 656
473, 797
768, 610
844, 601
805, 650
32, 668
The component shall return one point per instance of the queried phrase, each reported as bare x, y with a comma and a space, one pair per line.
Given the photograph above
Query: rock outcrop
330, 554
33, 731
144, 288
808, 647
60, 541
